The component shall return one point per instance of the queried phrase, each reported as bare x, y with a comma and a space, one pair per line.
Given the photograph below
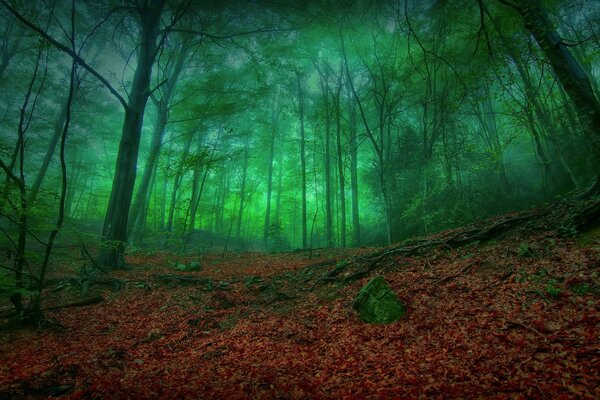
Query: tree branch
65, 49
236, 34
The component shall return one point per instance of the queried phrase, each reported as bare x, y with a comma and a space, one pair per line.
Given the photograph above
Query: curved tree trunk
569, 72
114, 232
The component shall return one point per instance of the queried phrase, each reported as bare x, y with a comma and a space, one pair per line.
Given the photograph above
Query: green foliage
553, 289
252, 281
440, 142
525, 251
552, 286
581, 288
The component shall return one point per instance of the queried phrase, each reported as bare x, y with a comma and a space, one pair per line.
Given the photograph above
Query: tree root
184, 279
86, 302
453, 240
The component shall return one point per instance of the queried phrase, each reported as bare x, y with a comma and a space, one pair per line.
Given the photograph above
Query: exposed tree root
568, 216
184, 279
86, 302
88, 281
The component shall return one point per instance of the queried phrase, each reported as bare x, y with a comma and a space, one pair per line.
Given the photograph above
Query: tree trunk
570, 74
274, 122
177, 181
302, 159
114, 232
57, 131
340, 162
238, 229
279, 180
327, 162
353, 143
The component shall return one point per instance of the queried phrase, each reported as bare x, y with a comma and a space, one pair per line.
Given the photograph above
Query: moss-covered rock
194, 266
376, 303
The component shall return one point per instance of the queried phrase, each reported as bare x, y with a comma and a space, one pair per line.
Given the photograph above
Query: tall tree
162, 102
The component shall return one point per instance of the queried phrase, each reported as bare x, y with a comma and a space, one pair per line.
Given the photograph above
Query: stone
194, 266
181, 267
376, 303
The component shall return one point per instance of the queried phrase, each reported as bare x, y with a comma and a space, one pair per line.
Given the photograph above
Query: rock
181, 267
194, 266
376, 303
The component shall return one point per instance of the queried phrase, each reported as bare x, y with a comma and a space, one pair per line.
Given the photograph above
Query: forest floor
514, 317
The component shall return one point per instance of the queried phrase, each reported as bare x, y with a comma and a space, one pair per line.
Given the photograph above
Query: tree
568, 70
114, 232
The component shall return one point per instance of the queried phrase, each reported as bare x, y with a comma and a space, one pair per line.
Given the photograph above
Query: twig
447, 278
516, 323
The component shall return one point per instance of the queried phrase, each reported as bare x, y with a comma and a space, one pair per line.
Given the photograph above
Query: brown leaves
481, 333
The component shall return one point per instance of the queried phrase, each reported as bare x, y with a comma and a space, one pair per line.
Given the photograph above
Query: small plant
553, 289
580, 288
525, 251
522, 276
541, 275
550, 243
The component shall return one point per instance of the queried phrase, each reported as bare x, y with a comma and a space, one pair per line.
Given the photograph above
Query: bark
195, 196
302, 159
279, 180
340, 164
274, 123
353, 143
325, 90
139, 224
238, 229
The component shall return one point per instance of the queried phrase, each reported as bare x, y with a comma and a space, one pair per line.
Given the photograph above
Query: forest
307, 199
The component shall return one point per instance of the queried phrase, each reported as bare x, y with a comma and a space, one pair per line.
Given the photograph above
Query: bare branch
157, 87
236, 34
65, 49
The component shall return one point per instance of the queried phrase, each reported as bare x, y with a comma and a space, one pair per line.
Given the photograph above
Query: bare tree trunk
238, 229
279, 180
302, 159
340, 163
163, 198
136, 235
353, 143
569, 72
325, 91
114, 232
327, 162
274, 122
56, 134
177, 182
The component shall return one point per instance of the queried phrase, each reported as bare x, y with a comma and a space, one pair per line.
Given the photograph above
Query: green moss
376, 303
